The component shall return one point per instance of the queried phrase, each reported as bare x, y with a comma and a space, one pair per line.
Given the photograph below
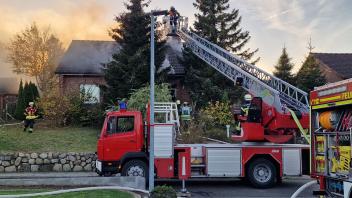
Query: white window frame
92, 89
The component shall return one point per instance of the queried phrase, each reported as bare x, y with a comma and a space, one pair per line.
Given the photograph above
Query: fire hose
299, 190
144, 192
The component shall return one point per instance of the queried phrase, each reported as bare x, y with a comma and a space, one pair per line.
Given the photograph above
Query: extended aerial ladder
284, 109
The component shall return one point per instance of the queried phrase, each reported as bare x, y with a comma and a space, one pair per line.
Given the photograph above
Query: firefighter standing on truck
244, 110
30, 113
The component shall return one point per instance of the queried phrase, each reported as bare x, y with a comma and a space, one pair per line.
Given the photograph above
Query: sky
272, 24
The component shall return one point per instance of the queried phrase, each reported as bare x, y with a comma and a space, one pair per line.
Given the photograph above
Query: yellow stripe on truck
346, 102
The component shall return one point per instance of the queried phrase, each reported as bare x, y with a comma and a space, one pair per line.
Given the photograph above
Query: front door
120, 137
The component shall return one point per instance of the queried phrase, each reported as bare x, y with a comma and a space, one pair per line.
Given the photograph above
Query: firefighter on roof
30, 113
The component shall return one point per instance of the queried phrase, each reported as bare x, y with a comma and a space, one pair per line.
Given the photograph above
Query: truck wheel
261, 173
135, 168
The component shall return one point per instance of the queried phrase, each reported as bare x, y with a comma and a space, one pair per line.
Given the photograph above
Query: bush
191, 134
69, 109
54, 108
163, 192
214, 118
140, 98
84, 114
217, 114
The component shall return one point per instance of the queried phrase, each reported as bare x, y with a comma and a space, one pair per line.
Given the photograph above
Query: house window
90, 93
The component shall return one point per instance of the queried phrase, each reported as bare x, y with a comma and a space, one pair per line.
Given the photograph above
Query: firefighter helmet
247, 97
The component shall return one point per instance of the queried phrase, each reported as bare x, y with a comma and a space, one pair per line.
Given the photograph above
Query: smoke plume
85, 20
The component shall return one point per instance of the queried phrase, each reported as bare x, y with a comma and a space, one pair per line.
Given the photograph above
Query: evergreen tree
27, 94
20, 105
309, 75
34, 91
216, 23
130, 68
283, 68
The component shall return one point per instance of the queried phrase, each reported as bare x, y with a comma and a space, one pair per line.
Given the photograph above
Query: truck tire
261, 173
135, 168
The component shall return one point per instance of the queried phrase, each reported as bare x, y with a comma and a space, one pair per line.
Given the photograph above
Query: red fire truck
123, 148
278, 114
331, 132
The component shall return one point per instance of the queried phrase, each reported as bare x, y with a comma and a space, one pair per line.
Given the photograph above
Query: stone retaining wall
47, 162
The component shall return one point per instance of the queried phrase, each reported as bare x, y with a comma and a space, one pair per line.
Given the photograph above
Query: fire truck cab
123, 148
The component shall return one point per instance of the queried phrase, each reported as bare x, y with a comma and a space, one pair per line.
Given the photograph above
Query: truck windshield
120, 124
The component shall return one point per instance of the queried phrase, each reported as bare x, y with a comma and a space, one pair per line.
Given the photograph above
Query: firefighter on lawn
30, 113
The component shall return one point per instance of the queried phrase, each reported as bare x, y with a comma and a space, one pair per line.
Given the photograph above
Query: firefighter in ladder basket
244, 112
174, 15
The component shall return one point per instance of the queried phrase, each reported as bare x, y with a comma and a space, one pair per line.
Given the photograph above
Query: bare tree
35, 53
310, 46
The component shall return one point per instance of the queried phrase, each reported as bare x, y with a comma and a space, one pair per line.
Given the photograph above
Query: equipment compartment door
291, 161
223, 162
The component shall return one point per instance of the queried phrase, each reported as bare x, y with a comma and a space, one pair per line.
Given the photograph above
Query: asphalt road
198, 189
239, 188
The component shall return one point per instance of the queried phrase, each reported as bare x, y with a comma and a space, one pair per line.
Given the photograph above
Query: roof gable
86, 57
340, 63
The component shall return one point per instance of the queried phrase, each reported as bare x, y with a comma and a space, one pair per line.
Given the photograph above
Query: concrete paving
69, 179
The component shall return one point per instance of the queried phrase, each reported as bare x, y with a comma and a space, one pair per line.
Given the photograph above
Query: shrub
83, 114
192, 134
214, 118
140, 98
54, 108
69, 109
163, 192
217, 114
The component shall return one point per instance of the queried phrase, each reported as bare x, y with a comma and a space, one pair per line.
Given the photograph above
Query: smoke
68, 20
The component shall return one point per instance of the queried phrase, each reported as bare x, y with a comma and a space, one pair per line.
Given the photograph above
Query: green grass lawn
83, 194
44, 139
21, 191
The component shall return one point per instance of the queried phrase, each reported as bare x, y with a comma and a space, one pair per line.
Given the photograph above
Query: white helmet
247, 97
31, 103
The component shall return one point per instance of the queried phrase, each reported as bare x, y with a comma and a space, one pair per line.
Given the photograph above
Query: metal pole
152, 70
228, 131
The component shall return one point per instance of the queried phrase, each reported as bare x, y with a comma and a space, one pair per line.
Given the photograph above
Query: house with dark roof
334, 66
8, 96
173, 54
81, 67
